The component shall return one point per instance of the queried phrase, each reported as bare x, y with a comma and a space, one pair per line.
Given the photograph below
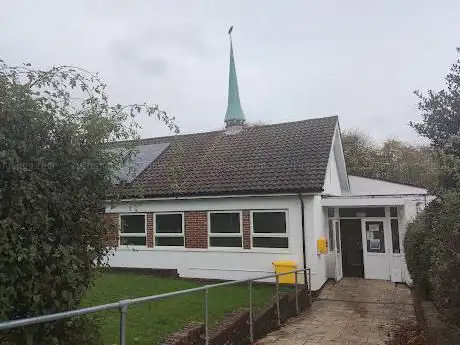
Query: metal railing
123, 305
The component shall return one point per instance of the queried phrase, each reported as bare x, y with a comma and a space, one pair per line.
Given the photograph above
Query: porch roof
371, 200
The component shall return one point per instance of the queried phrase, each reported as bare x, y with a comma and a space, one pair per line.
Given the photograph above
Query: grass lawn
147, 323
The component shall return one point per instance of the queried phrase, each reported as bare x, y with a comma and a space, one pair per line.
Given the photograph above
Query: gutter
304, 250
209, 196
371, 196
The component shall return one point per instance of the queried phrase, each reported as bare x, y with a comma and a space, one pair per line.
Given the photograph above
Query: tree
393, 160
55, 176
433, 240
440, 112
360, 152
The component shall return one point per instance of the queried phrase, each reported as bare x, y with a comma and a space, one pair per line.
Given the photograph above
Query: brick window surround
246, 230
150, 227
196, 229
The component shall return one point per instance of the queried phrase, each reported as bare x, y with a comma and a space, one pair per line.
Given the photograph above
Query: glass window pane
226, 242
270, 242
169, 241
395, 236
225, 222
331, 236
375, 237
337, 236
331, 212
393, 212
132, 224
133, 241
362, 212
168, 223
269, 222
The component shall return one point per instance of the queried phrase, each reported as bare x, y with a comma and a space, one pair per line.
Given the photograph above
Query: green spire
234, 114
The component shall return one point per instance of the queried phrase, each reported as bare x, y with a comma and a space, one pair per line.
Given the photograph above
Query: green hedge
432, 247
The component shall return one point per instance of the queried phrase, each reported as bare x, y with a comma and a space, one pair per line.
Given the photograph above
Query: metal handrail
123, 305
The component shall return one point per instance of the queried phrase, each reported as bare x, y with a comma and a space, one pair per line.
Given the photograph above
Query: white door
376, 248
338, 251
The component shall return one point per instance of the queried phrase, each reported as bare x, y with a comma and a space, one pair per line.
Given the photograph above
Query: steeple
234, 117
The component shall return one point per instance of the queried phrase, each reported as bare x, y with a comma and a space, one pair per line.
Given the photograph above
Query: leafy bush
55, 176
433, 255
418, 247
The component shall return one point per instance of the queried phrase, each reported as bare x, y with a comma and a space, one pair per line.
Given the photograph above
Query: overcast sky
295, 59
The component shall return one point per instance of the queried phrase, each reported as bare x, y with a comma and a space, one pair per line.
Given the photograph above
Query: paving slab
350, 312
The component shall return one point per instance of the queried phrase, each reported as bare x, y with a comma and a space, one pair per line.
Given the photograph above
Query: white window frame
399, 230
269, 234
335, 236
226, 234
164, 234
138, 234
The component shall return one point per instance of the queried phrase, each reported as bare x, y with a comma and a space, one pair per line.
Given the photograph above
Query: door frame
386, 238
338, 249
364, 243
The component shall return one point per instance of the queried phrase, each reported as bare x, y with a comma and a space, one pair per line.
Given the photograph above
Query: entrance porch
365, 237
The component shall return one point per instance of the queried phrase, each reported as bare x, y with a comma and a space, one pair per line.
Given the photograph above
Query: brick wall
234, 328
150, 227
112, 238
246, 230
196, 229
192, 334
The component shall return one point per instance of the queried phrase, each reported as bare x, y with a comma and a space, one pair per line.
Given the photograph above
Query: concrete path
350, 312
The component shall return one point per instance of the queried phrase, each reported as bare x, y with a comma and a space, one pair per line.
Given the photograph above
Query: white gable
336, 179
369, 186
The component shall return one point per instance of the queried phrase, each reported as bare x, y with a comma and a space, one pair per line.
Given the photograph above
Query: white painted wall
368, 186
228, 264
332, 182
336, 179
315, 226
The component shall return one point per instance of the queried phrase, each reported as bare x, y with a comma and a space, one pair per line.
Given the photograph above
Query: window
362, 212
331, 236
337, 237
395, 230
375, 237
393, 212
225, 229
169, 230
269, 229
132, 230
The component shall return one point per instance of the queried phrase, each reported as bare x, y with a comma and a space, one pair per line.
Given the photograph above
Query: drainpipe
304, 250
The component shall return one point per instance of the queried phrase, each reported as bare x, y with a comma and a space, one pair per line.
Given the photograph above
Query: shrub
419, 246
55, 176
432, 248
445, 269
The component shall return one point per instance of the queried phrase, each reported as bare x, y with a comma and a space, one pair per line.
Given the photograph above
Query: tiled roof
279, 158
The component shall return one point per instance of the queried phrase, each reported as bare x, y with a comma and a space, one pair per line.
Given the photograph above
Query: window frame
339, 216
225, 234
164, 234
269, 234
397, 218
331, 237
137, 234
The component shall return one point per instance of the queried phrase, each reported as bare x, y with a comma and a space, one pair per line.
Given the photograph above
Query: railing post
278, 301
296, 294
123, 312
309, 285
206, 317
251, 326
